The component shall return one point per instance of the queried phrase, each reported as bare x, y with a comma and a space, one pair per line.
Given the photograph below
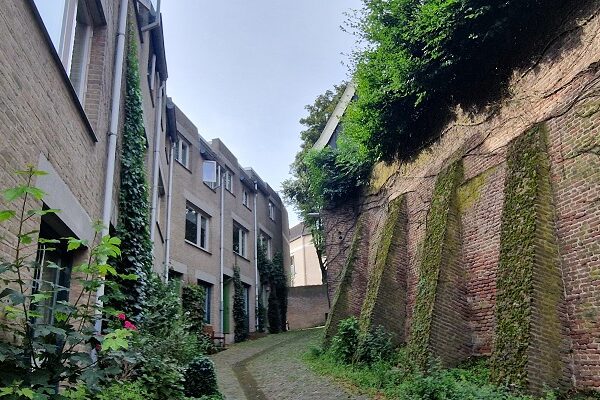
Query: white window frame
182, 146
271, 210
228, 181
201, 218
242, 240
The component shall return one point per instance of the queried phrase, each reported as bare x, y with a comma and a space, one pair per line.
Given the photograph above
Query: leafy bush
345, 343
124, 391
375, 346
200, 378
193, 300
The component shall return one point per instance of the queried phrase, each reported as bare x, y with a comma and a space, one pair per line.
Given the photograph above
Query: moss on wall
383, 276
339, 307
431, 260
527, 338
470, 192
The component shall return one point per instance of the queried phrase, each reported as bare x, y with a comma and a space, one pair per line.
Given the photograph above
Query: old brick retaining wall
559, 97
307, 306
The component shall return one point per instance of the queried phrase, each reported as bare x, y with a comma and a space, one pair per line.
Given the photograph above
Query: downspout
256, 277
221, 253
169, 201
155, 159
112, 142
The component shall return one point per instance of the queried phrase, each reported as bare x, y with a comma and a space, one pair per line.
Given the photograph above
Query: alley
272, 368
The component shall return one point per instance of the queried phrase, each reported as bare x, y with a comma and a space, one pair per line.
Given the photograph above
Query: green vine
240, 317
383, 270
528, 252
134, 210
339, 307
429, 269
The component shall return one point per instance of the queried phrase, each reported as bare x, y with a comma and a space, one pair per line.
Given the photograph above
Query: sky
243, 71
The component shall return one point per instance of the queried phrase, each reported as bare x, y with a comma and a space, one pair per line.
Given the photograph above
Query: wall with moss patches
439, 321
340, 307
562, 336
385, 299
527, 341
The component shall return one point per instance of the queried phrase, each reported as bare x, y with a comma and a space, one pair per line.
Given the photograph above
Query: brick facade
562, 93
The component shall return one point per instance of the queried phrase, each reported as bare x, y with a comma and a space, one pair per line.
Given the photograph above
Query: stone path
272, 368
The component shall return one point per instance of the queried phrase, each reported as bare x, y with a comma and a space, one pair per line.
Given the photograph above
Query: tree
299, 190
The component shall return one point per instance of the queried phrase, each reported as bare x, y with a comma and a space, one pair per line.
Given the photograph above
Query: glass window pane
191, 225
52, 15
203, 232
236, 239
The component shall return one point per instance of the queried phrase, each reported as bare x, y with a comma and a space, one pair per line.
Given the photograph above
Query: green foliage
124, 391
240, 317
431, 262
193, 300
517, 257
134, 209
399, 378
375, 346
345, 342
277, 305
201, 378
50, 343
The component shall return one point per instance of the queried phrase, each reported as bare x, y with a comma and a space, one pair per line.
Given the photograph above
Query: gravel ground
271, 368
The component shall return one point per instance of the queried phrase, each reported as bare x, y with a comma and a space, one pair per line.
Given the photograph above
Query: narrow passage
272, 368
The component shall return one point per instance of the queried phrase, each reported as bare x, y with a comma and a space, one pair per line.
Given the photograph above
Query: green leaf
74, 243
38, 297
43, 212
26, 392
6, 215
14, 193
37, 193
116, 340
31, 172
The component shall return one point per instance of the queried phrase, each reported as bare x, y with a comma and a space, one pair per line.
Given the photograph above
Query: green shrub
345, 342
193, 300
240, 316
124, 391
200, 378
162, 377
375, 346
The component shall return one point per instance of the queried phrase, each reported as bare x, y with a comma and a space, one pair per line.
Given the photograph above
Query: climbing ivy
429, 269
273, 277
134, 210
517, 259
240, 316
193, 300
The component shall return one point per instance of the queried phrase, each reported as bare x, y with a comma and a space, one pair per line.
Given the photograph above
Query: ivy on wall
429, 269
193, 300
528, 252
273, 278
240, 317
339, 307
134, 210
383, 264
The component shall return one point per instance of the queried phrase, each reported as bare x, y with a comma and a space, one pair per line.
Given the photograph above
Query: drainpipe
256, 277
221, 311
112, 141
169, 201
155, 160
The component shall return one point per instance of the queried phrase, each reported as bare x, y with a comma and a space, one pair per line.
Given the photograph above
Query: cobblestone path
271, 368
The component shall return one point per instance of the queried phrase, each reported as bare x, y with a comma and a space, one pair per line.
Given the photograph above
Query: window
272, 211
70, 28
214, 185
196, 227
266, 242
240, 240
228, 181
245, 200
182, 151
208, 289
53, 273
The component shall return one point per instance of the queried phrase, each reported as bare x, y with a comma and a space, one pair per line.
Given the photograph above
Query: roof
298, 231
337, 114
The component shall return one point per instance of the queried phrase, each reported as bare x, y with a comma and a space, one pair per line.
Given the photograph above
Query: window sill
241, 256
198, 247
184, 166
248, 208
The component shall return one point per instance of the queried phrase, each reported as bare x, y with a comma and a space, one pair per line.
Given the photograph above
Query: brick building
491, 231
61, 75
217, 226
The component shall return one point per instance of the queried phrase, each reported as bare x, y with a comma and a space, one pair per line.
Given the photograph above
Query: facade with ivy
84, 100
217, 224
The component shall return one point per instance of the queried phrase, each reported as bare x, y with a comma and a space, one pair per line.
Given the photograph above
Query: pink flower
121, 317
129, 325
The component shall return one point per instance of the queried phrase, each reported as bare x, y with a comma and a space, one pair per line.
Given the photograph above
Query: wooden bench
209, 331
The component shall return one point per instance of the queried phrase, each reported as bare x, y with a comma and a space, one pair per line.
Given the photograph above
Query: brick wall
562, 91
307, 306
